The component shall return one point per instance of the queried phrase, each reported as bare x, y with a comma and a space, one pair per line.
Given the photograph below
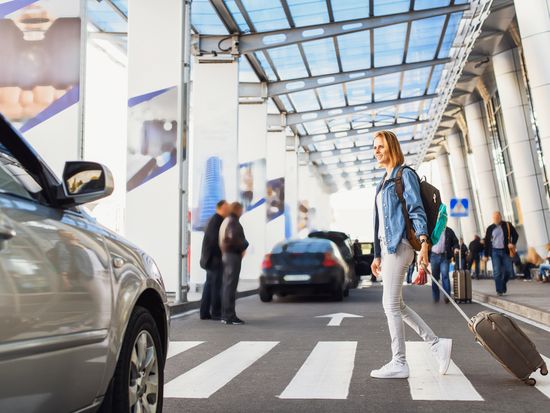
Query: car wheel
266, 296
346, 292
139, 376
338, 294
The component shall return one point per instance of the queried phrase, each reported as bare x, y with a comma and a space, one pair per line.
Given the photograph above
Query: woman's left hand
423, 255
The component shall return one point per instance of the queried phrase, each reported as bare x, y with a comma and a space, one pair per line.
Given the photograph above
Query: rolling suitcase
504, 340
462, 283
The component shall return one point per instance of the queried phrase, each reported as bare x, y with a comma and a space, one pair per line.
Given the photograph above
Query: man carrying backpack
500, 244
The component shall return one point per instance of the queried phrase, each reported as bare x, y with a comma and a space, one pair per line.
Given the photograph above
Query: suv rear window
309, 246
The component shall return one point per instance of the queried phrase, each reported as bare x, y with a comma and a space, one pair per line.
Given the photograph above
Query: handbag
422, 277
512, 251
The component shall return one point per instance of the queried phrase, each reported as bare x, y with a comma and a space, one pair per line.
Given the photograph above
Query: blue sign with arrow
459, 207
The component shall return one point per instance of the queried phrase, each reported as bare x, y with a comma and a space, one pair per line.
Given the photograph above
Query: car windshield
305, 246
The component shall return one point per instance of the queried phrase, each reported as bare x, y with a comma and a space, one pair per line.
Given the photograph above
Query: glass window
382, 7
246, 73
304, 101
430, 4
450, 34
314, 128
308, 12
15, 180
389, 45
321, 56
266, 15
415, 82
205, 19
359, 91
105, 18
354, 50
288, 62
424, 38
386, 87
266, 66
349, 9
332, 96
436, 77
237, 15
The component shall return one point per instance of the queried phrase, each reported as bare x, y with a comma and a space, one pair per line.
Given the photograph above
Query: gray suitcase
504, 340
462, 286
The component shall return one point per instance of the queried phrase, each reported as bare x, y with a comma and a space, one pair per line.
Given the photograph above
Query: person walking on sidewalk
211, 261
476, 249
440, 257
233, 245
393, 254
500, 244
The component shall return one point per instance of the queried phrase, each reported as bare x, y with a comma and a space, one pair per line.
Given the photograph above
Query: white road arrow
336, 319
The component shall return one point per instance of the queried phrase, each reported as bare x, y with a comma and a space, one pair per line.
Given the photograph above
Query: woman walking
393, 254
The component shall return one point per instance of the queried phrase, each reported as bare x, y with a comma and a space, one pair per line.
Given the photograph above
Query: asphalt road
285, 359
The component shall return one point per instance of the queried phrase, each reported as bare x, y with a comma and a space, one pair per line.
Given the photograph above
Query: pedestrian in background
393, 253
211, 261
440, 257
233, 245
474, 257
533, 260
500, 244
461, 256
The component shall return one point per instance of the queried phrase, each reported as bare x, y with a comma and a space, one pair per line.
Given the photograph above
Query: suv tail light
266, 264
329, 260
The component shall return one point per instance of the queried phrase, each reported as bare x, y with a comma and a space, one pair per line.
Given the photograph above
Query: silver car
83, 313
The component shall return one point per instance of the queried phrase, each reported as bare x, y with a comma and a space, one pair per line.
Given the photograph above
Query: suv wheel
265, 295
138, 382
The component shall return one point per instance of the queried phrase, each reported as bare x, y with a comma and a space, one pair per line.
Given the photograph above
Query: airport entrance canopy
342, 69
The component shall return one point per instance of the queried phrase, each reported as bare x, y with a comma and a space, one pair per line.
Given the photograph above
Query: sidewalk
245, 288
529, 299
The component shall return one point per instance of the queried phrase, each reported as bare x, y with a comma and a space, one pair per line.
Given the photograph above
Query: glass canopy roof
332, 125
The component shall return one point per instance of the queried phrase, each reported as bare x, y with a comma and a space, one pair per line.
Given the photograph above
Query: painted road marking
326, 374
426, 383
177, 347
209, 377
336, 319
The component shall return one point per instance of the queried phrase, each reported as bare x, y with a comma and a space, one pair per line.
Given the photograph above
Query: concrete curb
180, 308
532, 313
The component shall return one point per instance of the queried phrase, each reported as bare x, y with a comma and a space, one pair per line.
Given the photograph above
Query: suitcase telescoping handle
451, 299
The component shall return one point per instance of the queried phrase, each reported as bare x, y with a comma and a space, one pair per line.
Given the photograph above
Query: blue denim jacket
394, 221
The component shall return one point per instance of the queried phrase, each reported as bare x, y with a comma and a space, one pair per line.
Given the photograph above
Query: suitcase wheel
530, 381
544, 370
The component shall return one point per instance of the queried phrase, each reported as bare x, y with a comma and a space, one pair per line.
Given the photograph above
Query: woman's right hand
375, 267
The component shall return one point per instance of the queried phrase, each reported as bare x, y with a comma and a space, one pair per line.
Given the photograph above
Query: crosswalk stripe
177, 347
543, 382
426, 383
326, 374
207, 378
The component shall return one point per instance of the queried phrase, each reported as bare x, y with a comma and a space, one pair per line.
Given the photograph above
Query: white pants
394, 268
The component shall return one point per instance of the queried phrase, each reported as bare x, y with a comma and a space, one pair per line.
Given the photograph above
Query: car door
55, 299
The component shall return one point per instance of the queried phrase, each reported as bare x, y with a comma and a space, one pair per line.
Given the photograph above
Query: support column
291, 188
252, 183
527, 173
534, 26
275, 200
214, 146
155, 147
462, 183
446, 189
483, 163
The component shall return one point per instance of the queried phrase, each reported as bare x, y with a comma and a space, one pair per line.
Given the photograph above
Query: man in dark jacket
500, 237
211, 261
475, 248
233, 245
440, 256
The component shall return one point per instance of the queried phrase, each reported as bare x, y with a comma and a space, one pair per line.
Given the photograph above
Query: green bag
440, 224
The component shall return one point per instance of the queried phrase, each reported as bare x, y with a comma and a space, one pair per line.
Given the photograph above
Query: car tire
142, 331
346, 292
338, 293
266, 296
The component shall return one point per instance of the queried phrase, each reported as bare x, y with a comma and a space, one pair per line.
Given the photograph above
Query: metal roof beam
308, 83
117, 10
331, 153
354, 134
313, 115
253, 42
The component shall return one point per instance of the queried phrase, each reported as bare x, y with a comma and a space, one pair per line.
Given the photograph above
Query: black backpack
436, 212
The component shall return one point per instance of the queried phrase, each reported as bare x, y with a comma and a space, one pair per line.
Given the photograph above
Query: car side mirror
85, 182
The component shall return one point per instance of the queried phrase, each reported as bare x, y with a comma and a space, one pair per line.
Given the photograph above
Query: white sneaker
442, 353
392, 370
